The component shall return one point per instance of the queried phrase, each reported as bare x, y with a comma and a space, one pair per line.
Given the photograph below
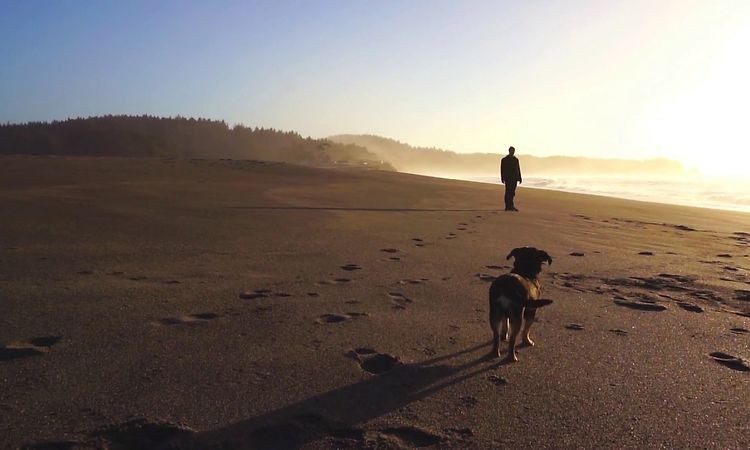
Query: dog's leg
495, 319
529, 316
495, 337
526, 329
504, 331
515, 328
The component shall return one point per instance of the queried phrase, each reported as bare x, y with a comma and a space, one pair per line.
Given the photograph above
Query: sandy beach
165, 303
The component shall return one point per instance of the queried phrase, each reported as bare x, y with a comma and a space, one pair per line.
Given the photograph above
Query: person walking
510, 175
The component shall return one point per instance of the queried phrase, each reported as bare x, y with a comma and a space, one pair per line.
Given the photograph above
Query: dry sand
152, 303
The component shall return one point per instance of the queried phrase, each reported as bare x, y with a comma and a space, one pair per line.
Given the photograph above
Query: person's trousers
510, 192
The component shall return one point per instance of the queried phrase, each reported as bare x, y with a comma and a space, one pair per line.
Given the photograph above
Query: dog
516, 296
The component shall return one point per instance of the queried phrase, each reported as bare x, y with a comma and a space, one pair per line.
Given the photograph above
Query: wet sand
150, 303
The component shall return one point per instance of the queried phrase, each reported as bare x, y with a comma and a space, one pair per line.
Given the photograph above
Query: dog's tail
536, 303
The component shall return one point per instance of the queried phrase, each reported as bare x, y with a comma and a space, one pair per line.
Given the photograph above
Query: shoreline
637, 198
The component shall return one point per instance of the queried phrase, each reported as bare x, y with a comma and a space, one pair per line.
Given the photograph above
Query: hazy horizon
631, 80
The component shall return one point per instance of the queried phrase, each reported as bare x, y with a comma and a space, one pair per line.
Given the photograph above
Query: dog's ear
514, 253
546, 256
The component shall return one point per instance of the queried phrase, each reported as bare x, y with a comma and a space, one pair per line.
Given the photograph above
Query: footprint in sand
739, 331
494, 267
338, 318
140, 433
429, 351
414, 281
262, 293
574, 326
618, 332
373, 362
394, 258
188, 319
646, 253
332, 318
138, 278
408, 437
460, 433
85, 272
690, 307
730, 361
350, 267
389, 250
487, 278
32, 347
742, 295
295, 432
417, 239
640, 305
399, 300
313, 294
468, 401
724, 255
497, 380
579, 254
681, 278
335, 281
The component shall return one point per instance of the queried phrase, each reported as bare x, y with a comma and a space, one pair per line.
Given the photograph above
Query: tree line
149, 136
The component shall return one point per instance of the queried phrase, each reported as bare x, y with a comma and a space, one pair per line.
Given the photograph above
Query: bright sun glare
706, 127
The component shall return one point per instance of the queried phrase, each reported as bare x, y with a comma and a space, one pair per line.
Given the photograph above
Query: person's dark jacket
510, 169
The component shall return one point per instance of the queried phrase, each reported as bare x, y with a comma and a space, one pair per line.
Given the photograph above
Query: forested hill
407, 158
147, 136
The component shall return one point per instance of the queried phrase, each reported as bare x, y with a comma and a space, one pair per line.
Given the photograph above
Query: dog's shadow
340, 413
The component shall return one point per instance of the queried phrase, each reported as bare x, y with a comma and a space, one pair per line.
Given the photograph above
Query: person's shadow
337, 413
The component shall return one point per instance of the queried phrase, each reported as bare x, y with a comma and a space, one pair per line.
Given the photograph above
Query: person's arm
502, 171
518, 164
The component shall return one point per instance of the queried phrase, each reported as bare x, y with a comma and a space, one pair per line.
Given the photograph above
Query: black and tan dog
515, 296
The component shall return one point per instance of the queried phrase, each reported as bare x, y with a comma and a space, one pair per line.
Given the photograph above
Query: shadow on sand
333, 419
335, 415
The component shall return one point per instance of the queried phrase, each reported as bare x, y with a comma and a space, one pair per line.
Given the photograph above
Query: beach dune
157, 303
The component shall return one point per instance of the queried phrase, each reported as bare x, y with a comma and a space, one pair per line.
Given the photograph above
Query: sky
600, 78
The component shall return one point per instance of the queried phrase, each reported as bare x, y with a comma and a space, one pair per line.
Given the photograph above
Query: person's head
511, 150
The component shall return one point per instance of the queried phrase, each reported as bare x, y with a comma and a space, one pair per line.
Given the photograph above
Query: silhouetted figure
510, 175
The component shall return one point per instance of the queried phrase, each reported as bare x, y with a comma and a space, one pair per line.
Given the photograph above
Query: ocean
692, 190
